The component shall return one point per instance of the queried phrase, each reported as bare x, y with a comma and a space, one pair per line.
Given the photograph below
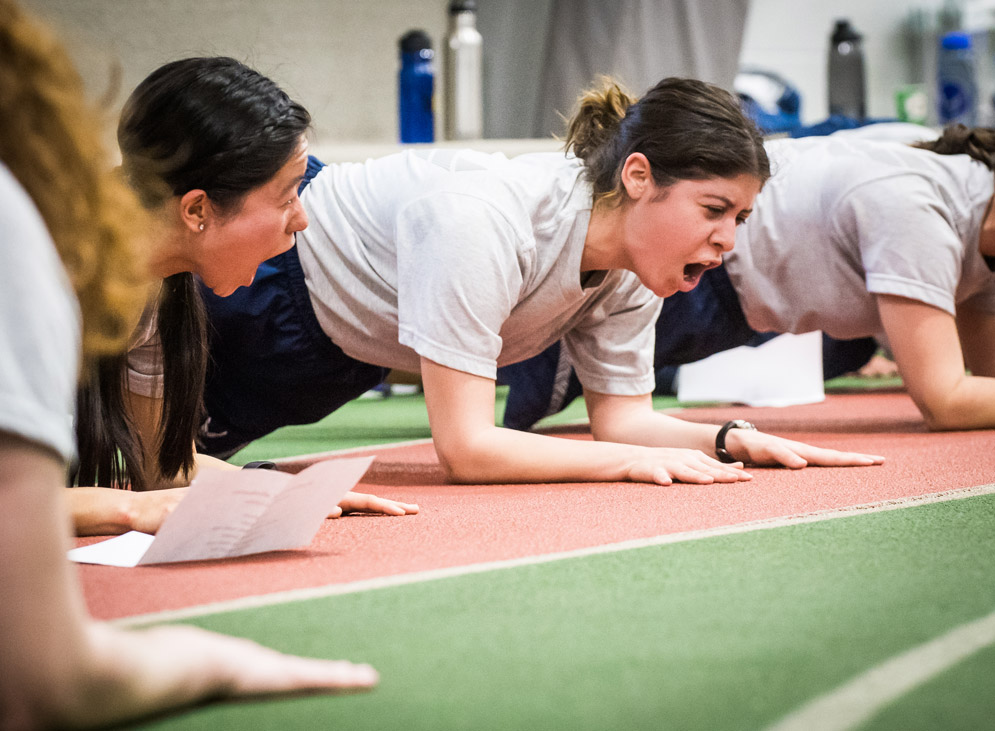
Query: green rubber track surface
728, 632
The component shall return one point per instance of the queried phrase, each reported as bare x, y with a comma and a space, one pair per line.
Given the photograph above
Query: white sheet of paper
236, 513
783, 371
124, 550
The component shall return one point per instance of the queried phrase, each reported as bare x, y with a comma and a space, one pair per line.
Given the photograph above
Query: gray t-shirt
40, 329
472, 261
843, 219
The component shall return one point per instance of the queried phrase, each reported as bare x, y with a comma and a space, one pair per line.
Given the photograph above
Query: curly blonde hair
50, 140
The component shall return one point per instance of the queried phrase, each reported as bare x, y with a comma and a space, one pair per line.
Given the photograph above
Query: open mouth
693, 271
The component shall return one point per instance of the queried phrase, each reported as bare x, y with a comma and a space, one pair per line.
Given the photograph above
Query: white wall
339, 57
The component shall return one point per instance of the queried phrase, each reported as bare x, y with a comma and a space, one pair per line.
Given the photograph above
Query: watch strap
720, 439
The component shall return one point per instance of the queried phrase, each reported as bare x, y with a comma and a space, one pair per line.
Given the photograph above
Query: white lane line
351, 450
857, 701
353, 587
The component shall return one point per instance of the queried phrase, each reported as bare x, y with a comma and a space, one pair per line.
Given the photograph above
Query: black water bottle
846, 72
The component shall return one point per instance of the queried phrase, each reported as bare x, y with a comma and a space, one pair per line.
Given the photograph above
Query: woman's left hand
360, 502
758, 448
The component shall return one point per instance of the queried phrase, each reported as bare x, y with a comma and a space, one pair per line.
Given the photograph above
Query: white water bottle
464, 77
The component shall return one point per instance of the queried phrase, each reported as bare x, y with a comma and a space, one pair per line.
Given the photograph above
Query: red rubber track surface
460, 524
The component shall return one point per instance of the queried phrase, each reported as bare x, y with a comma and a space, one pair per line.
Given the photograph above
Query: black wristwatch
259, 465
720, 439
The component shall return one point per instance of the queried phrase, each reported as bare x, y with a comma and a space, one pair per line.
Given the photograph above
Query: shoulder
30, 259
18, 213
39, 334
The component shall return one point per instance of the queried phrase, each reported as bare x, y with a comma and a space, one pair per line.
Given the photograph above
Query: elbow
603, 435
942, 421
945, 415
464, 463
933, 421
608, 431
457, 469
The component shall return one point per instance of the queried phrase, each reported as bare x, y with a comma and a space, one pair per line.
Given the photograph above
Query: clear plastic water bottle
846, 72
464, 80
957, 92
416, 85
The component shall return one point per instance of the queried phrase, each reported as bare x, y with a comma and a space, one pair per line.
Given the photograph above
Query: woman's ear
637, 179
195, 209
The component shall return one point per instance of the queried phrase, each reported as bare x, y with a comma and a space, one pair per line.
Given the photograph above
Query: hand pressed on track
237, 667
167, 667
664, 466
754, 447
360, 502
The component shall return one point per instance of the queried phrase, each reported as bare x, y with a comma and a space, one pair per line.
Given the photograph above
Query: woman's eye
715, 211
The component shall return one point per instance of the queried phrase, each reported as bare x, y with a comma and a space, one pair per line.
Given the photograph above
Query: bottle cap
462, 6
956, 40
414, 41
844, 32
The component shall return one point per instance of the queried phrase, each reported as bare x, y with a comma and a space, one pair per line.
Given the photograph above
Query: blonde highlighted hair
51, 141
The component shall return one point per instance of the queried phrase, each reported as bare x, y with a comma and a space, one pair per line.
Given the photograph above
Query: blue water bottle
958, 86
416, 84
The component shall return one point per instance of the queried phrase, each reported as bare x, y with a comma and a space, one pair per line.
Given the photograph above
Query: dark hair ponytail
210, 124
110, 453
105, 440
687, 129
957, 139
182, 331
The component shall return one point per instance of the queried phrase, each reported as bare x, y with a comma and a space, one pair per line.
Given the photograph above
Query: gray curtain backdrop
551, 50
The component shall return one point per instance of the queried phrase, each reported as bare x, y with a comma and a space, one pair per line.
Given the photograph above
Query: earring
201, 227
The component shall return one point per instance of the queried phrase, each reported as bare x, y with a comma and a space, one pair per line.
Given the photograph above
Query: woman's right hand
149, 509
172, 666
104, 511
664, 466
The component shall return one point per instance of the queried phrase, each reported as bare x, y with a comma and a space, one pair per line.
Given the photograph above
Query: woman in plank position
216, 152
869, 240
453, 263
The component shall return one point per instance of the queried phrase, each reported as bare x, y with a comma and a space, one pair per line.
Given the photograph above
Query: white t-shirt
472, 261
40, 329
883, 218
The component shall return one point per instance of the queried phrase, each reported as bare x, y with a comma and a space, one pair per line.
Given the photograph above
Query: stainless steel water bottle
463, 73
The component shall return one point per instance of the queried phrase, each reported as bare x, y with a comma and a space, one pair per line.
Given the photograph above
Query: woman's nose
298, 221
725, 235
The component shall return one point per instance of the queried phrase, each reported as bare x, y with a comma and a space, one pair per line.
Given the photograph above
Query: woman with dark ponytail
216, 153
453, 263
859, 235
